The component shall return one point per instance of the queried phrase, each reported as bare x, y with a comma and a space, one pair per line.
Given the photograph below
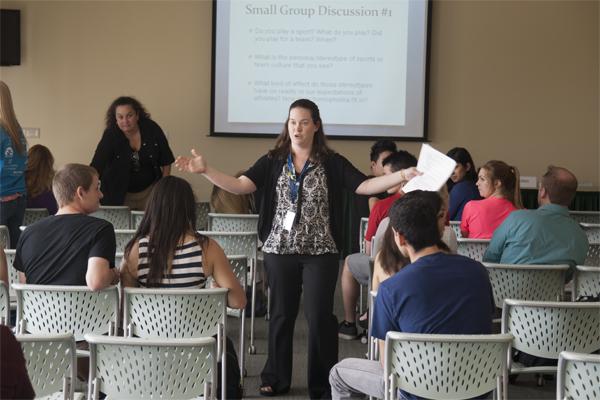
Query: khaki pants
137, 201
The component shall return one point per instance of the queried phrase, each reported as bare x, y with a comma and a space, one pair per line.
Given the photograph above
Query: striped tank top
187, 268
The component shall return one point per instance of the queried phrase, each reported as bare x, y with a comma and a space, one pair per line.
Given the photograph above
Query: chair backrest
590, 217
445, 366
472, 248
119, 216
239, 266
136, 218
578, 376
50, 361
60, 309
13, 274
544, 329
232, 222
364, 223
236, 243
4, 304
123, 236
592, 231
526, 282
132, 368
593, 255
376, 242
33, 215
174, 313
586, 281
455, 225
202, 210
4, 237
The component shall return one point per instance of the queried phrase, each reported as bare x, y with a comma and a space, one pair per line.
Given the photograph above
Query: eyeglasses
135, 162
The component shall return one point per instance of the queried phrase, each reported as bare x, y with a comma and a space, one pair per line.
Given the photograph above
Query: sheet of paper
436, 168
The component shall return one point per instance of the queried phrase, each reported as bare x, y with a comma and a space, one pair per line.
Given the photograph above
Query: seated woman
38, 178
498, 184
463, 180
223, 202
390, 260
167, 252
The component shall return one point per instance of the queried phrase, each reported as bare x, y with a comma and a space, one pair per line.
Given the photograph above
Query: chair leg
242, 353
251, 348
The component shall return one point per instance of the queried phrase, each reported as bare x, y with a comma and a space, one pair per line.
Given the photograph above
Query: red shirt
481, 217
380, 211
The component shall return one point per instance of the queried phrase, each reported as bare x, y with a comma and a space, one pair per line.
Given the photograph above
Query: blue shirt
547, 235
12, 166
461, 193
439, 293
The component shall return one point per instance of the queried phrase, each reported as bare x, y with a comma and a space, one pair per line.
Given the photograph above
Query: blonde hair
68, 179
40, 170
509, 178
8, 119
224, 202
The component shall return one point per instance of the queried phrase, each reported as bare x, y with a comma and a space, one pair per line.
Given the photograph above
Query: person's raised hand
410, 173
195, 164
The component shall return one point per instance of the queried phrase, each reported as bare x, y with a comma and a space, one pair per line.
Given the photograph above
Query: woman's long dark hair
320, 151
170, 214
111, 117
462, 156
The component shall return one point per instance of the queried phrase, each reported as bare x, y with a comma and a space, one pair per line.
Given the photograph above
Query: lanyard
293, 179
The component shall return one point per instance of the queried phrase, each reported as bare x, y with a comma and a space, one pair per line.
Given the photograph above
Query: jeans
11, 215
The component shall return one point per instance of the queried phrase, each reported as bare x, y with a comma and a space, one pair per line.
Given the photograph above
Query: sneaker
347, 330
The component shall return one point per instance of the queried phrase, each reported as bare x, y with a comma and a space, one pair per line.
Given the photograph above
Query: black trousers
288, 276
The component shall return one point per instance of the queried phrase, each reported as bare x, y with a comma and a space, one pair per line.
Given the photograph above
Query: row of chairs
159, 316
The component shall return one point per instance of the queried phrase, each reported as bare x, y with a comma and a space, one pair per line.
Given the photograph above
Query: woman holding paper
300, 220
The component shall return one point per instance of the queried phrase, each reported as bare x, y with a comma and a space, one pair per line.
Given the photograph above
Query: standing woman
13, 158
463, 180
300, 225
38, 176
132, 155
498, 184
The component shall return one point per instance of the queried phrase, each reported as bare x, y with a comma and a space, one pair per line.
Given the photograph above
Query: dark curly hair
111, 118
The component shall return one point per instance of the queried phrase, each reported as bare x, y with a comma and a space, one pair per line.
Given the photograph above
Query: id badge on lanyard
294, 184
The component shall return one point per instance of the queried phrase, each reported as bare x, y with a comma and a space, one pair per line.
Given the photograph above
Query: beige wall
516, 81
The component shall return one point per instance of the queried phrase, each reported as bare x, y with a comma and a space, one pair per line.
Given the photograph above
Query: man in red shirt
356, 268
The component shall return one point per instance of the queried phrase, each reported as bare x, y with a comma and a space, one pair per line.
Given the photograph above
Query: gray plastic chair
33, 215
232, 222
118, 216
455, 225
446, 366
4, 304
241, 243
59, 309
593, 255
472, 248
51, 364
362, 230
123, 236
4, 237
13, 277
177, 314
592, 232
526, 282
202, 210
544, 329
589, 217
586, 282
136, 218
132, 368
578, 376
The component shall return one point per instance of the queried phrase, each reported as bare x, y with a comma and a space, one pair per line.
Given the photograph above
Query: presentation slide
362, 62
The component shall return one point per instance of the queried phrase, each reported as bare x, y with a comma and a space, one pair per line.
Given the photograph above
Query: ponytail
516, 196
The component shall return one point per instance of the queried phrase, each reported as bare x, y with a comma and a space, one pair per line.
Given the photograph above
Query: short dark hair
463, 157
400, 159
560, 184
380, 146
68, 179
414, 217
111, 117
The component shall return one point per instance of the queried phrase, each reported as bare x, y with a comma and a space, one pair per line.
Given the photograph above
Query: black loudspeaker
10, 37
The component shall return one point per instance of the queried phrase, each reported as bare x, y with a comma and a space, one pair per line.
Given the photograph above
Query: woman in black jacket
132, 154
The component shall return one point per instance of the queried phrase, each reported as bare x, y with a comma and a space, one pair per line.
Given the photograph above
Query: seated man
70, 248
547, 235
356, 266
436, 293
